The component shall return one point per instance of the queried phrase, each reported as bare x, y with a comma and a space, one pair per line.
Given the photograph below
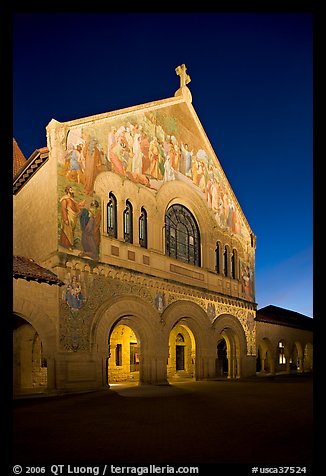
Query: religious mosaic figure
90, 220
160, 302
73, 294
70, 210
211, 311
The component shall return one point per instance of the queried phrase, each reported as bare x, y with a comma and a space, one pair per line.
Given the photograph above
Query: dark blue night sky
252, 88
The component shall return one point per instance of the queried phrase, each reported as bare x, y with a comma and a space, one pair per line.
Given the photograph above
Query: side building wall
35, 215
283, 349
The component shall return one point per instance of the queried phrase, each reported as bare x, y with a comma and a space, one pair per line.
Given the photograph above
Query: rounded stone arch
282, 354
143, 199
177, 192
296, 356
228, 327
133, 310
231, 326
40, 321
33, 326
144, 320
193, 317
265, 357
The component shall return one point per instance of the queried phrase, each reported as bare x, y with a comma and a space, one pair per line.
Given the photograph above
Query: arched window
118, 355
143, 228
127, 222
182, 239
225, 261
217, 257
111, 216
179, 338
281, 353
233, 263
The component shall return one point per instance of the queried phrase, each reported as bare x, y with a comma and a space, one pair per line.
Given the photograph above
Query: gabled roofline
124, 111
35, 161
182, 95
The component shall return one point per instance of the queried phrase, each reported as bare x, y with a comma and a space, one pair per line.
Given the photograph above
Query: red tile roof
19, 160
27, 268
284, 317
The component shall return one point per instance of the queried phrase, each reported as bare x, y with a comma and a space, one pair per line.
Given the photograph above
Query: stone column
228, 355
153, 370
51, 368
238, 366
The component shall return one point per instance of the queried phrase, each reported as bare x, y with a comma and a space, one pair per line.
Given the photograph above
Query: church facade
154, 259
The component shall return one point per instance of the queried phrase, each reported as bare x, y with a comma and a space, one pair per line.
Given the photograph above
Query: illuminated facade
154, 257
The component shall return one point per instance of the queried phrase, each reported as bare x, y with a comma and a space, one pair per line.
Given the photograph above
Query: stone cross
184, 78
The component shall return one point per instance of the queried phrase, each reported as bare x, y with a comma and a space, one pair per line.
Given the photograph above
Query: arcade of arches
29, 363
181, 345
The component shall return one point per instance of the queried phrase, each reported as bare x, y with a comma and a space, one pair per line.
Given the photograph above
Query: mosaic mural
150, 149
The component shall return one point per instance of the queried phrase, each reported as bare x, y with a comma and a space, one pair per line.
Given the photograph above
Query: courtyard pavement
257, 421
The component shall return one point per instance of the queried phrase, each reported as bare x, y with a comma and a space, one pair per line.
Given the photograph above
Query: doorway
134, 357
29, 363
179, 357
124, 355
222, 364
182, 353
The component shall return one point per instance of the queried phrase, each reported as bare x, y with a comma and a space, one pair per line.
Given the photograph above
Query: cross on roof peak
184, 77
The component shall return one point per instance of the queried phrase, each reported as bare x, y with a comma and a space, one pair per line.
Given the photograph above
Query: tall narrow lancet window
111, 214
217, 258
281, 353
225, 262
182, 238
143, 228
127, 223
233, 264
118, 355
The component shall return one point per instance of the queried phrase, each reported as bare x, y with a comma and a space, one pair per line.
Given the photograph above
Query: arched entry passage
265, 357
222, 363
296, 358
29, 363
230, 346
191, 321
182, 353
143, 320
124, 354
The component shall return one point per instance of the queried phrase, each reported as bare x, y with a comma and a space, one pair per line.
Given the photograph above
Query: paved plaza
252, 421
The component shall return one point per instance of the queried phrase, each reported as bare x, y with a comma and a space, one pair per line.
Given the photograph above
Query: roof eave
35, 161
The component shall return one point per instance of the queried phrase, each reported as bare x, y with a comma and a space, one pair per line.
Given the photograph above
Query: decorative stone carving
104, 282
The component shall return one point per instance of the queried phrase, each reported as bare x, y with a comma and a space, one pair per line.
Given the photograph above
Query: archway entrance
182, 354
230, 347
265, 361
295, 360
124, 356
222, 363
29, 364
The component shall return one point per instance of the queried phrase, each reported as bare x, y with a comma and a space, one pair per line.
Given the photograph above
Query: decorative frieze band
87, 289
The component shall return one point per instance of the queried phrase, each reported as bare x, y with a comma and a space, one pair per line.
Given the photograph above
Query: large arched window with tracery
182, 238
